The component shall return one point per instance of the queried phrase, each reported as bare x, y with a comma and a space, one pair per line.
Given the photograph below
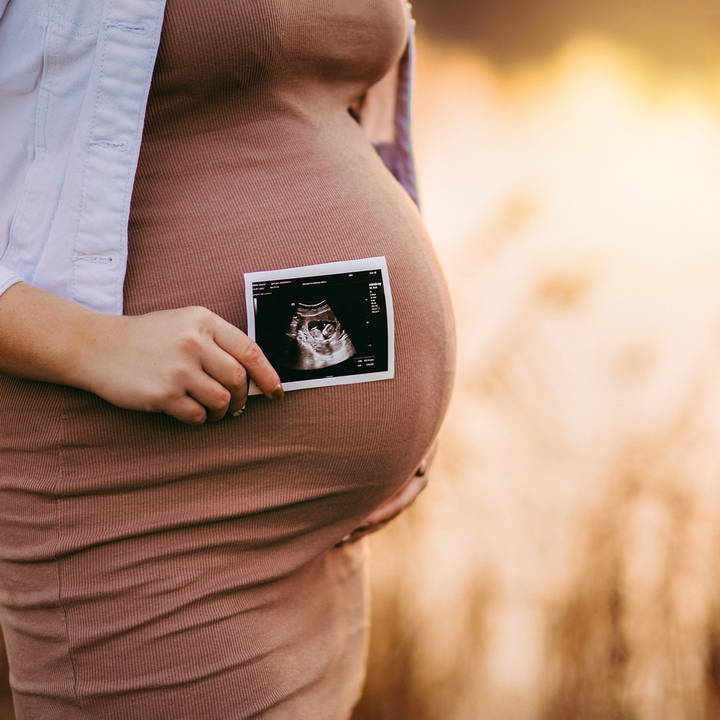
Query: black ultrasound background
348, 294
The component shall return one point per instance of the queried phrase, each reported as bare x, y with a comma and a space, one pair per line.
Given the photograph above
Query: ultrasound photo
329, 324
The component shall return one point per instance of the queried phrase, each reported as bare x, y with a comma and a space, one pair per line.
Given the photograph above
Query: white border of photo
331, 268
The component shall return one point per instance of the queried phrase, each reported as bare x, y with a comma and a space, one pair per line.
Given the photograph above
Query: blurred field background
564, 562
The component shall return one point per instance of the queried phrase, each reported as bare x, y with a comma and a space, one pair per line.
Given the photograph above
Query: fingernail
278, 393
239, 412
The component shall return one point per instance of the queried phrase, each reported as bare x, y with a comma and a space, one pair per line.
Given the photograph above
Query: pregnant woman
163, 554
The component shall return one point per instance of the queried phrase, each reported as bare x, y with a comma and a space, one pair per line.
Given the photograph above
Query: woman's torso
250, 161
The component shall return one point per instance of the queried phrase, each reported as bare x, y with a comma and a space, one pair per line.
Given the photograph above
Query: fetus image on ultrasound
315, 338
320, 329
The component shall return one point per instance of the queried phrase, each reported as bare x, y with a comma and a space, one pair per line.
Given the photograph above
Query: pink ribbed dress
150, 569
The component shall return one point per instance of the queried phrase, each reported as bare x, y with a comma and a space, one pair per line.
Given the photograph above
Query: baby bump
309, 191
305, 470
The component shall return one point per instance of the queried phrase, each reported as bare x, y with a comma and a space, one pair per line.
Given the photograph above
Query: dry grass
563, 564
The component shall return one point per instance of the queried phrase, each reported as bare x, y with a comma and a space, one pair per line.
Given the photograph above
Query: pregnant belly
316, 463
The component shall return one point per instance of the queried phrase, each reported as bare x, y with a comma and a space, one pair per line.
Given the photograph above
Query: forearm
44, 336
187, 362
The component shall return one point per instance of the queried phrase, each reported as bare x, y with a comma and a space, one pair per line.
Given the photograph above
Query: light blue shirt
74, 82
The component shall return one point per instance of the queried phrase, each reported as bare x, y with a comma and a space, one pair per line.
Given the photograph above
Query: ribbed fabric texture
150, 569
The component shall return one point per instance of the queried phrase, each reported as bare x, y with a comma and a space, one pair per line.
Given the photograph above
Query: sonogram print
315, 338
328, 324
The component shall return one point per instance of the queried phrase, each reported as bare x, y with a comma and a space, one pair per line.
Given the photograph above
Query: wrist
86, 346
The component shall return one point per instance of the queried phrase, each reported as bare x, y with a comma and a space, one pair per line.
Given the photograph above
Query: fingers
361, 532
224, 368
248, 353
211, 394
430, 457
187, 410
399, 501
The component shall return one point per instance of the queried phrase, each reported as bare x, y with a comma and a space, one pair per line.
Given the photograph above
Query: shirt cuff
8, 277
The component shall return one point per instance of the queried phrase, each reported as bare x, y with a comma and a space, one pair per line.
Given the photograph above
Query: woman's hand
188, 363
397, 503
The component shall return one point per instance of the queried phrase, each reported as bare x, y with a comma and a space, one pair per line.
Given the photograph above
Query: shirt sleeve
8, 277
